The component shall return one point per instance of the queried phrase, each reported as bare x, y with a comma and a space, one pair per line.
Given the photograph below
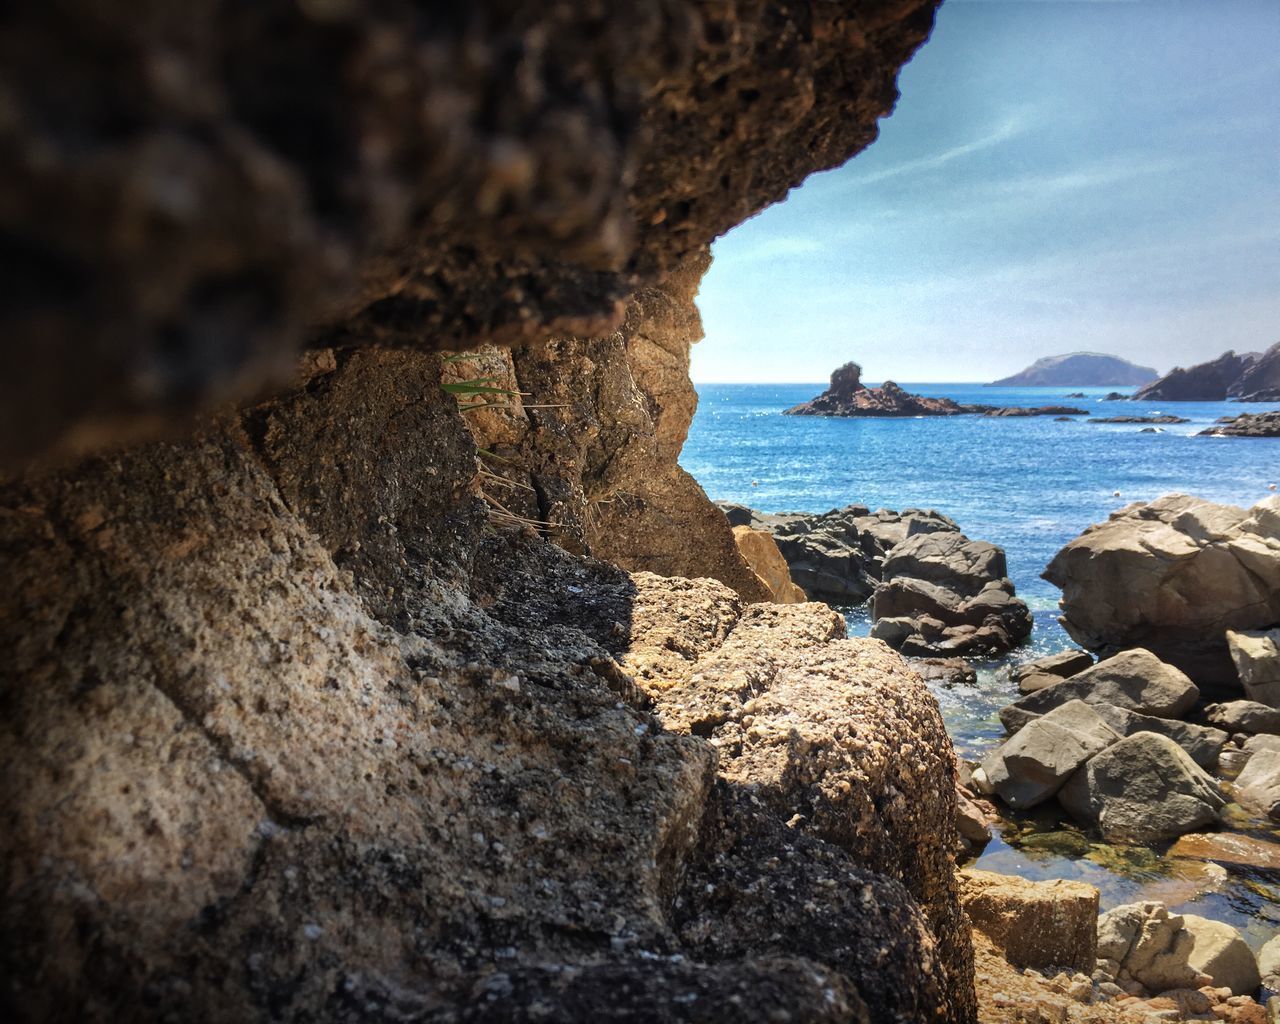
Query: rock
848, 396
1219, 952
1172, 576
959, 583
1237, 851
1245, 716
1248, 424
1139, 419
1060, 665
1032, 766
1039, 410
947, 672
1036, 924
1258, 783
973, 822
1115, 396
1205, 382
1268, 963
1260, 382
1262, 741
1079, 369
1134, 680
1256, 655
1144, 788
766, 561
1204, 744
1150, 945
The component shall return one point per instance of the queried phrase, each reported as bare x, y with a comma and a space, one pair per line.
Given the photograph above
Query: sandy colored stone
1036, 924
766, 561
1219, 952
1256, 656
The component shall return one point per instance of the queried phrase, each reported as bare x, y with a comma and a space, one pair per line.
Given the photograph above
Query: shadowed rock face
184, 192
297, 726
1213, 381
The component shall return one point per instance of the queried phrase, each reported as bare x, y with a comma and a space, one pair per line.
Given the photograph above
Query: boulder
1172, 576
1134, 680
1220, 952
766, 561
1245, 716
1230, 849
1268, 962
1041, 672
1258, 784
1263, 741
1203, 743
1256, 655
1161, 951
1144, 788
1036, 925
947, 672
1247, 424
1032, 766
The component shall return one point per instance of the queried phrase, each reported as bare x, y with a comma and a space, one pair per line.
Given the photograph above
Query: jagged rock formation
1249, 424
1214, 381
300, 721
1079, 370
1259, 382
1173, 576
489, 172
848, 396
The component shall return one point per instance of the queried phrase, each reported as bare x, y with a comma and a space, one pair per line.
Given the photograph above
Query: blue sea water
1029, 485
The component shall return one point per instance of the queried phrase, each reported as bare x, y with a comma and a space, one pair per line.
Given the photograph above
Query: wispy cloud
1011, 127
781, 247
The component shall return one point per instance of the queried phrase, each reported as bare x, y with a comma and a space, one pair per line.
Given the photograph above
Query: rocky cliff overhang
191, 192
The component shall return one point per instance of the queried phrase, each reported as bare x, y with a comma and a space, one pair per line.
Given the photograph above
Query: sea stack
848, 396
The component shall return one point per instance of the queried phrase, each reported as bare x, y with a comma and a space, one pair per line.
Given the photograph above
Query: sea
1030, 485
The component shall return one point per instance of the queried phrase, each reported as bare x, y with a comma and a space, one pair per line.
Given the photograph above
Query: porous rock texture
292, 737
186, 192
1172, 576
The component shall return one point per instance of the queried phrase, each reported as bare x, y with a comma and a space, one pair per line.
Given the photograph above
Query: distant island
848, 396
1249, 377
1079, 369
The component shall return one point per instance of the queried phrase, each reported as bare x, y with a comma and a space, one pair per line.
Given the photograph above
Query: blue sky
1058, 175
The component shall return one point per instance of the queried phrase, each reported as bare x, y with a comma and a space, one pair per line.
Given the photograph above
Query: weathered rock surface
948, 672
1269, 963
1244, 716
848, 396
179, 223
1229, 848
1144, 788
1079, 369
1202, 743
1256, 656
1041, 672
941, 593
1035, 924
1247, 424
1134, 680
1213, 381
766, 561
1033, 765
1172, 576
1220, 952
1259, 782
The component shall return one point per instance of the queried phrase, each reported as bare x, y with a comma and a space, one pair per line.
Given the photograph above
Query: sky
1058, 175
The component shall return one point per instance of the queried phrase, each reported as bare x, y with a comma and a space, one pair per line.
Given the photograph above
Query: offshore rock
1249, 424
848, 396
1260, 382
1172, 576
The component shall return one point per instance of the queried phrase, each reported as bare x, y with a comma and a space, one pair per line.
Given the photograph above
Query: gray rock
1060, 666
1202, 742
1144, 788
1258, 784
948, 672
1032, 766
1256, 655
1246, 716
1263, 741
1219, 951
1135, 680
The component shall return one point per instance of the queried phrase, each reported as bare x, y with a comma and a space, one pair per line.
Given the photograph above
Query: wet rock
1066, 411
1171, 576
1035, 924
1228, 848
766, 561
948, 672
1139, 419
1245, 716
1203, 743
1256, 655
1248, 424
1144, 788
1032, 766
1258, 783
1041, 672
1134, 680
